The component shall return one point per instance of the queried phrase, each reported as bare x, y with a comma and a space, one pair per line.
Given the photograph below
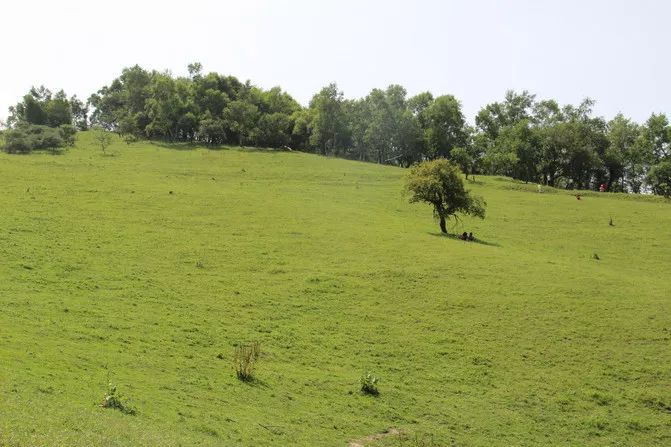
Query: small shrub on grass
369, 385
129, 139
113, 399
102, 137
67, 133
245, 358
29, 137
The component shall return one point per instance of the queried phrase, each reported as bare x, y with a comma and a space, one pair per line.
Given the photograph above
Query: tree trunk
443, 227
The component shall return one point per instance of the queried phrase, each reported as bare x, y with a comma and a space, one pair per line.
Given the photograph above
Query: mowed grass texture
523, 338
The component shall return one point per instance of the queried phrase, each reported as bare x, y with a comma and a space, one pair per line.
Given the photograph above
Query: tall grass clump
245, 358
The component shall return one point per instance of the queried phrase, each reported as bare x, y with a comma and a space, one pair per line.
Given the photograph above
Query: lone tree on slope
439, 183
103, 137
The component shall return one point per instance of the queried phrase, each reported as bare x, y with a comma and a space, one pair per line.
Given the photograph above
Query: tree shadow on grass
188, 146
256, 383
473, 181
456, 237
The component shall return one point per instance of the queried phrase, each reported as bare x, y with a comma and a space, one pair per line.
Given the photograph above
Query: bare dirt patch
362, 442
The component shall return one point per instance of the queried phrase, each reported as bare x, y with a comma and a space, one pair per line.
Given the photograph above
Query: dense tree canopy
43, 120
530, 139
659, 178
41, 107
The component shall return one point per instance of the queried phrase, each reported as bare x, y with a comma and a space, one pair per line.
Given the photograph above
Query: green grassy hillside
521, 339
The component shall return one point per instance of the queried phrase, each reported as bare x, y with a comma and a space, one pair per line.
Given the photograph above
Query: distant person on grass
470, 236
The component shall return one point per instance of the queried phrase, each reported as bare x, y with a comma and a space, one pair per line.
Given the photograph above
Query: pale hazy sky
616, 52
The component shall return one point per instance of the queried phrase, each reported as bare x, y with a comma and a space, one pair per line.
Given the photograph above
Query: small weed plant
369, 385
245, 358
113, 399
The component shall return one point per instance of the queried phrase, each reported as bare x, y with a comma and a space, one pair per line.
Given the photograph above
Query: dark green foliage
17, 144
211, 108
566, 146
41, 107
462, 158
29, 137
274, 130
32, 112
129, 138
80, 113
384, 129
521, 137
369, 384
58, 111
328, 121
212, 131
528, 139
445, 126
659, 178
438, 182
43, 121
67, 133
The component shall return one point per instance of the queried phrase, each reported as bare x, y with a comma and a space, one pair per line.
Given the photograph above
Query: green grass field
522, 339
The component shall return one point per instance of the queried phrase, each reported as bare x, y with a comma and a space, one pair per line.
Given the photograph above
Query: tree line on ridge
523, 137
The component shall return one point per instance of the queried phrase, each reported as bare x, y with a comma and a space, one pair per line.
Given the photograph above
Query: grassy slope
524, 340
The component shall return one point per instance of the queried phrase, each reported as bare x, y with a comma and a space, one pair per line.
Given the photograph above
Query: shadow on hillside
55, 152
256, 383
186, 146
456, 238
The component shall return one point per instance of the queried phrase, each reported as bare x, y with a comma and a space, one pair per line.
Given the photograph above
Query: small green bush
17, 144
102, 137
67, 133
245, 358
29, 137
113, 399
369, 385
